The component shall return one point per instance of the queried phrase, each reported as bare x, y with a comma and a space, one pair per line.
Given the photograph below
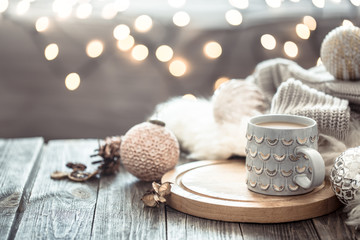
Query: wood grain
120, 214
60, 208
332, 226
217, 190
183, 226
17, 159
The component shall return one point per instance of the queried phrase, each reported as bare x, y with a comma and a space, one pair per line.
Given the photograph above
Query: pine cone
110, 153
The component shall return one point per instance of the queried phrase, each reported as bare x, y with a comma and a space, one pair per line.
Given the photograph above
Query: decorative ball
340, 53
148, 150
345, 175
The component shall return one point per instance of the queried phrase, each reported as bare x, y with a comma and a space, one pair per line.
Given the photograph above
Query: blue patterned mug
282, 156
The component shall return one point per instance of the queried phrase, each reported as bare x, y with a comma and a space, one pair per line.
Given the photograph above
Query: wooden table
32, 205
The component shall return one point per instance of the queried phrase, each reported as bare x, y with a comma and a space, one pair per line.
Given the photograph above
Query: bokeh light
143, 23
42, 24
51, 51
273, 3
164, 53
140, 52
302, 31
291, 49
319, 3
189, 97
22, 7
268, 41
355, 2
220, 81
4, 4
94, 48
233, 17
347, 23
177, 68
212, 50
62, 8
121, 31
72, 81
109, 11
241, 4
84, 10
181, 19
122, 5
126, 44
176, 3
310, 22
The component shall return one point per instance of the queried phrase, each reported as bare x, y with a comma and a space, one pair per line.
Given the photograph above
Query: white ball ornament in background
340, 53
345, 175
148, 150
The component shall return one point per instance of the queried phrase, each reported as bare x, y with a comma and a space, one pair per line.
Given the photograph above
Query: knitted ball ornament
340, 53
148, 150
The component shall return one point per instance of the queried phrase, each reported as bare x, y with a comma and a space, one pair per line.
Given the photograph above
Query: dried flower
156, 195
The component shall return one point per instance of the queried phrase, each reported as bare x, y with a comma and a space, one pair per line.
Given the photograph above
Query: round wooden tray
217, 190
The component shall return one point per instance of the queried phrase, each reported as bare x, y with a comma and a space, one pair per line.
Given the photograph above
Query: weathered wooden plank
17, 160
60, 208
183, 226
332, 226
293, 230
120, 214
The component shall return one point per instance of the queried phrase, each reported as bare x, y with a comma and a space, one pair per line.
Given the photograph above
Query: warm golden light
22, 7
164, 53
233, 17
126, 44
302, 31
62, 8
291, 49
143, 23
355, 2
189, 97
310, 22
212, 50
319, 62
94, 48
176, 3
84, 10
122, 5
4, 4
220, 81
268, 41
177, 68
109, 11
181, 19
42, 24
242, 4
347, 23
72, 81
51, 51
140, 52
273, 3
319, 3
121, 32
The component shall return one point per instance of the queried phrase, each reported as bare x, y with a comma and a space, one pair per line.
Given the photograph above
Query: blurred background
95, 68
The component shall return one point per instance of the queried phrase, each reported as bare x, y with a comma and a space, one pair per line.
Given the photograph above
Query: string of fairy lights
126, 42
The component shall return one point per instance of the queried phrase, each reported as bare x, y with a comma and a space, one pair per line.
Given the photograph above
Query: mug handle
318, 170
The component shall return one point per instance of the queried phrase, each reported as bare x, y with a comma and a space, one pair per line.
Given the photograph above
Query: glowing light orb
273, 3
140, 52
241, 4
42, 24
109, 11
4, 4
72, 81
355, 2
164, 53
347, 23
22, 7
291, 49
181, 19
268, 41
177, 68
302, 31
233, 17
94, 48
176, 3
319, 3
212, 50
310, 22
51, 51
143, 23
220, 81
126, 44
121, 31
84, 10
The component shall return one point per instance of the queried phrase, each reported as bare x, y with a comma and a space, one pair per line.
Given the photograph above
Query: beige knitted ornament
148, 150
340, 53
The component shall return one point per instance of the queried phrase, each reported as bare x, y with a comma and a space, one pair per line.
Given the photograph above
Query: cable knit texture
331, 113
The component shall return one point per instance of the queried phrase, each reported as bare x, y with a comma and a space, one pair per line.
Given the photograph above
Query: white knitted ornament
340, 52
149, 150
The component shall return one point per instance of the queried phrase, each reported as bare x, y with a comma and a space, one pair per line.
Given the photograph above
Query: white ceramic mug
282, 156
